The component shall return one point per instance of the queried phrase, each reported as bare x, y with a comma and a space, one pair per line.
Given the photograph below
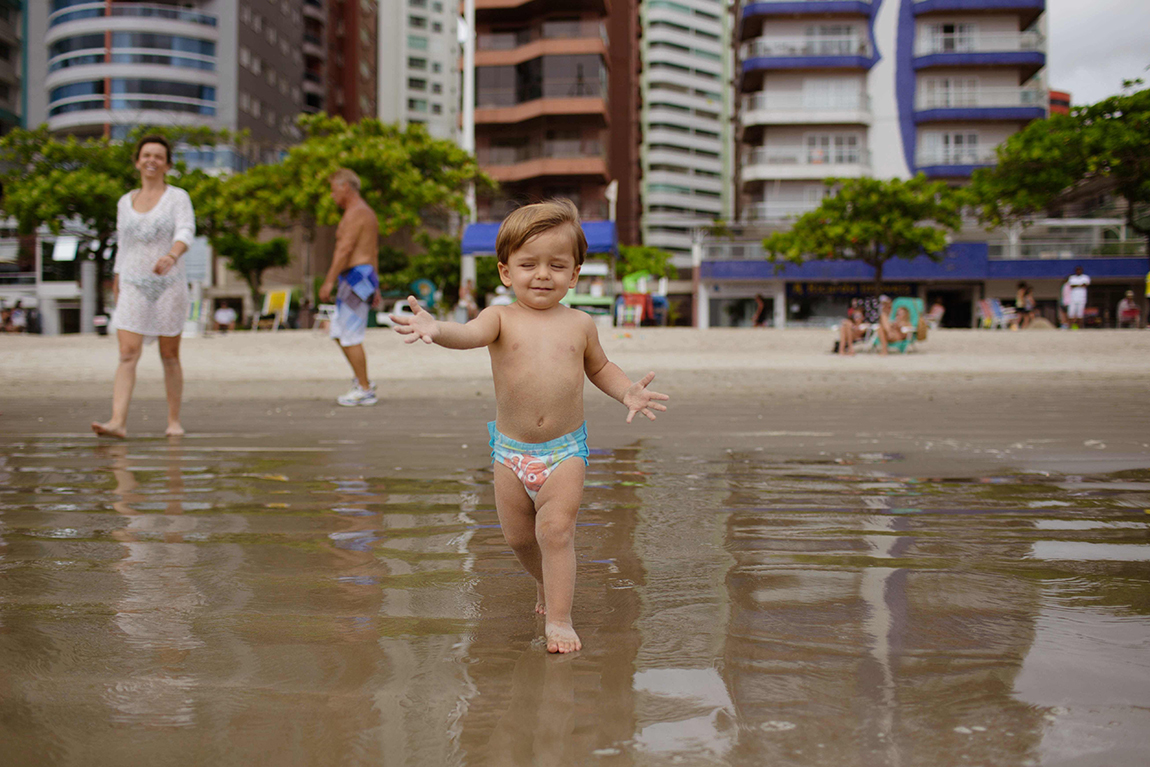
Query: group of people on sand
541, 353
891, 330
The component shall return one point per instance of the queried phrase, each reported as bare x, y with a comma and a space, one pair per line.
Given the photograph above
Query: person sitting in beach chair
898, 325
854, 329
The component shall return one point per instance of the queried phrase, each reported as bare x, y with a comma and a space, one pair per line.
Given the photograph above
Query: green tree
1109, 139
644, 258
873, 221
249, 258
72, 186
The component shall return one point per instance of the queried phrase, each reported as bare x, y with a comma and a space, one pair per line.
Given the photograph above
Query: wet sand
940, 558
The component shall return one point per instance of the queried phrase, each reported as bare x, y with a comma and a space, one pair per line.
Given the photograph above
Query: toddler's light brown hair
533, 220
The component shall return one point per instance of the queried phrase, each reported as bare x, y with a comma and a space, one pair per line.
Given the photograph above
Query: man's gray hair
345, 176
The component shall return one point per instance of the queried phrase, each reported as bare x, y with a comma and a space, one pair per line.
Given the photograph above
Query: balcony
313, 9
778, 210
313, 46
1028, 10
554, 96
983, 104
806, 109
1067, 249
832, 52
953, 163
804, 163
754, 14
505, 11
548, 30
98, 9
548, 158
1022, 49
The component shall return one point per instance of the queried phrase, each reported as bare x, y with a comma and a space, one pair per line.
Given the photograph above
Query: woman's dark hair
154, 139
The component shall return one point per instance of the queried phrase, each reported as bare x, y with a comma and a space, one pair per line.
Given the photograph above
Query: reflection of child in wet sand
540, 351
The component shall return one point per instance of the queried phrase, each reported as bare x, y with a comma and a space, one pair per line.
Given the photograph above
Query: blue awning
479, 239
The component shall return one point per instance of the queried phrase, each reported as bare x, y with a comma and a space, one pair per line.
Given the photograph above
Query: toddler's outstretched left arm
612, 381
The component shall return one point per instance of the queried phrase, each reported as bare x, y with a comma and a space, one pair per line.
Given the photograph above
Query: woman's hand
165, 264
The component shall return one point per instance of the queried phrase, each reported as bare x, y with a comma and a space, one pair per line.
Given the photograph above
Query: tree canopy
873, 221
1109, 139
645, 258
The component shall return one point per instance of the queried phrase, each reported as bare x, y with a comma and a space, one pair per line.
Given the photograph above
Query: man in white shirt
1076, 308
225, 317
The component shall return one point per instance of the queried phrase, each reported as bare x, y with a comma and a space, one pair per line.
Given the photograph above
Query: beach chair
916, 309
323, 317
993, 315
274, 312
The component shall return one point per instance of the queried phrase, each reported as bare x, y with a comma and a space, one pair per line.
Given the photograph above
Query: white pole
467, 263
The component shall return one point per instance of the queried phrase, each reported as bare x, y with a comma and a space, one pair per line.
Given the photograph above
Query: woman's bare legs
173, 382
125, 381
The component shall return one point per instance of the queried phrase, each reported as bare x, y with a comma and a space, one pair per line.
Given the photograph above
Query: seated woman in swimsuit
853, 329
894, 332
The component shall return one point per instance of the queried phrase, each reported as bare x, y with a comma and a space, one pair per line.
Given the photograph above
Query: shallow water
222, 601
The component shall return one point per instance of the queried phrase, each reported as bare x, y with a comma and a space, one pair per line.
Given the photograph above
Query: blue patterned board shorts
357, 286
533, 462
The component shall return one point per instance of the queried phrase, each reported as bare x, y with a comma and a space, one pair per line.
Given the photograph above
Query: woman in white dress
155, 224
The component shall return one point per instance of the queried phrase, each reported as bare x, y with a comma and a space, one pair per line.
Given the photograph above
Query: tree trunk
878, 278
253, 280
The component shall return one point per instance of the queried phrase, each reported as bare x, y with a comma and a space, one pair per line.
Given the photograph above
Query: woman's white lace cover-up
151, 304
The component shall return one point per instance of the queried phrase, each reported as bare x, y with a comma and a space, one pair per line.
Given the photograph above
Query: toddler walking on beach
540, 350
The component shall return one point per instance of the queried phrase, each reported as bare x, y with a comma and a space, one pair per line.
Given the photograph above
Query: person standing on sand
155, 225
354, 268
541, 351
1076, 306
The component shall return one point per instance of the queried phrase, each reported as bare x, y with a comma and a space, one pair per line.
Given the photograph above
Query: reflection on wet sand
168, 602
160, 601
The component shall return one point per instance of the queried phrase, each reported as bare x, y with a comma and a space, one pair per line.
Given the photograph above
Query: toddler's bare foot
540, 600
108, 430
174, 430
561, 638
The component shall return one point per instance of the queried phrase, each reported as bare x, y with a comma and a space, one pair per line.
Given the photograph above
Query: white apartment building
886, 88
419, 55
686, 154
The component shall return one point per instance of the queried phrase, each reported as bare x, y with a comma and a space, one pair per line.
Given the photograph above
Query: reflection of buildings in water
682, 704
582, 703
161, 601
864, 657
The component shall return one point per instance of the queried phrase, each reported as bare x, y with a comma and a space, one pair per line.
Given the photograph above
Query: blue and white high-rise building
883, 88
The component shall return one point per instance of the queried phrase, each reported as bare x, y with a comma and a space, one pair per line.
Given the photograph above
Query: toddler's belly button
540, 421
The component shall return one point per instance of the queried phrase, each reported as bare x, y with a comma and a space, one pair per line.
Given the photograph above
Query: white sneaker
358, 396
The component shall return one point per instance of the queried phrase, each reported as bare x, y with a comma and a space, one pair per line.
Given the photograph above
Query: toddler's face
542, 271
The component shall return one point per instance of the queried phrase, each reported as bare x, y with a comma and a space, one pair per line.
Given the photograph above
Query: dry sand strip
306, 365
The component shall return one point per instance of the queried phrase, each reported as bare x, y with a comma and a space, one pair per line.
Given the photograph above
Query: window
417, 22
417, 42
437, 6
838, 148
416, 63
5, 52
831, 93
436, 109
832, 40
436, 67
417, 105
436, 88
416, 84
417, 3
245, 57
950, 148
952, 38
948, 92
436, 26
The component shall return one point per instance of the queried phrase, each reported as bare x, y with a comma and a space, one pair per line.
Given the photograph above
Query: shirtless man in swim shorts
353, 277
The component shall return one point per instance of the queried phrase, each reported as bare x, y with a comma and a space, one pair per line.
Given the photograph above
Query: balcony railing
777, 210
963, 98
553, 150
97, 9
928, 157
808, 156
799, 102
550, 30
838, 45
1001, 42
1065, 250
552, 88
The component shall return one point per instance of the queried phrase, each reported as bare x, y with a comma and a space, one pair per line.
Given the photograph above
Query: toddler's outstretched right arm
481, 331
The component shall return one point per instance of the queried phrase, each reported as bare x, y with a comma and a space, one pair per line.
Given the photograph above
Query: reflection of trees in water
528, 707
871, 633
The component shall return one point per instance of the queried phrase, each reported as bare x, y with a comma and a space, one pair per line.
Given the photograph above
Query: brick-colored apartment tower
556, 105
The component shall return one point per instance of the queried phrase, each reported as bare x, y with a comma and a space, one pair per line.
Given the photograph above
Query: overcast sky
1095, 44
